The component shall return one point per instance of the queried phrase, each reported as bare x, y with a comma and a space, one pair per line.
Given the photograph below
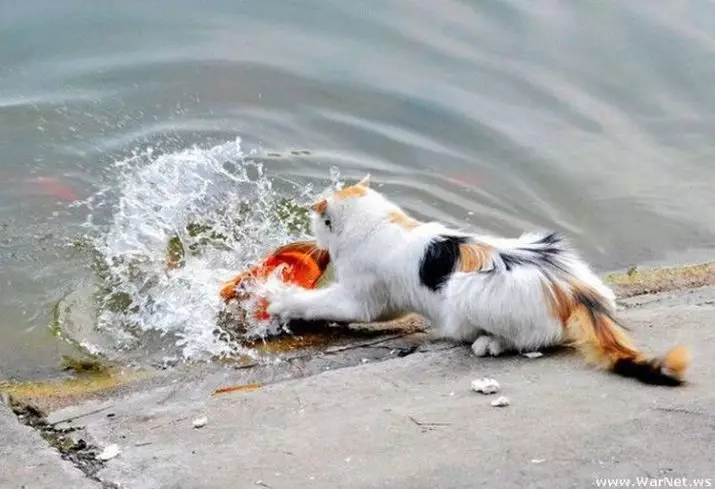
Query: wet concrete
413, 422
28, 461
385, 405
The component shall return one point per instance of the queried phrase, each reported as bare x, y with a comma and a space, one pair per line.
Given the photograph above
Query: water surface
593, 118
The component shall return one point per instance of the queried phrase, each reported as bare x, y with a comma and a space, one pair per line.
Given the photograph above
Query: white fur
377, 277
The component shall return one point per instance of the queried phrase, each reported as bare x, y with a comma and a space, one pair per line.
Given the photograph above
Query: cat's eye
328, 224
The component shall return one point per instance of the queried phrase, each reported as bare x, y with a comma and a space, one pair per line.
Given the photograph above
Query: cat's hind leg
454, 326
488, 345
459, 327
510, 309
457, 324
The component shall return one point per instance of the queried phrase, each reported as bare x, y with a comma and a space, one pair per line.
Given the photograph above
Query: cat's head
346, 210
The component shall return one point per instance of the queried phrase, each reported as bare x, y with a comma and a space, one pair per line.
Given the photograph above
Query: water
594, 118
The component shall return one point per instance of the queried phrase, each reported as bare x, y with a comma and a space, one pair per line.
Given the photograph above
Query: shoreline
98, 378
393, 410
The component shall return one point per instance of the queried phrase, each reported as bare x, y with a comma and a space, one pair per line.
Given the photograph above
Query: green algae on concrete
84, 366
55, 321
54, 394
634, 281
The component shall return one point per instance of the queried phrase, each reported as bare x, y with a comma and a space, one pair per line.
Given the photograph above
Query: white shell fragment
200, 422
109, 452
485, 386
501, 402
533, 354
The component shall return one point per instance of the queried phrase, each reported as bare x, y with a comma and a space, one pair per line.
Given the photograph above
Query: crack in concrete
680, 411
73, 418
81, 454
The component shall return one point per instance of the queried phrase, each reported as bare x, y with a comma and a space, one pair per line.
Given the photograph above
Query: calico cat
499, 294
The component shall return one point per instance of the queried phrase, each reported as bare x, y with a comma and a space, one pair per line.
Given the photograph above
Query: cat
499, 294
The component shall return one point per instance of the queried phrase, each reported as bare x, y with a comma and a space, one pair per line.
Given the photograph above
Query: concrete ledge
27, 461
413, 422
315, 351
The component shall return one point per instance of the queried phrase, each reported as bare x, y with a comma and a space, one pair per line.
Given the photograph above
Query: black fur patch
551, 239
646, 372
544, 252
539, 257
594, 304
511, 261
440, 260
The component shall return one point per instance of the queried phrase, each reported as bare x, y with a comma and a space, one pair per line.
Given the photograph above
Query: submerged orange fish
53, 187
304, 264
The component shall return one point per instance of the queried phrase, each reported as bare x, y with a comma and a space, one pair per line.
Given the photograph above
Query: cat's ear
365, 182
320, 207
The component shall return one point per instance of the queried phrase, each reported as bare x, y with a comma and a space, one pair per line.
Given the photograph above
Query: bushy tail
587, 315
594, 331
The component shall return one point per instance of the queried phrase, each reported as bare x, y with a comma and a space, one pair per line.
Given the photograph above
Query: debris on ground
485, 386
77, 451
238, 388
533, 354
200, 422
109, 452
501, 402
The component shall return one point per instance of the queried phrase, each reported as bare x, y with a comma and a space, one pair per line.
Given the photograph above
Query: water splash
179, 225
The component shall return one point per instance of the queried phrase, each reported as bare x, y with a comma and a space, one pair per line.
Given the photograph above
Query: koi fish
53, 187
303, 264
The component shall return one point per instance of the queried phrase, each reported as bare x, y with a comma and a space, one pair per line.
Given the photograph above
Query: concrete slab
413, 422
28, 462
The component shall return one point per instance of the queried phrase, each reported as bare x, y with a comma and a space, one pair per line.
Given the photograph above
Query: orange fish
465, 180
304, 264
54, 187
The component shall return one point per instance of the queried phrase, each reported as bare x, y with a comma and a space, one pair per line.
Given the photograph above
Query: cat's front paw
282, 302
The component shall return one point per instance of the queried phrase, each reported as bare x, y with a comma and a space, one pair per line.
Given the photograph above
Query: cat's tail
589, 323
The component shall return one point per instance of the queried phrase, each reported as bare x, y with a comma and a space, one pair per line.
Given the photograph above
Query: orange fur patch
677, 360
320, 206
602, 341
403, 220
613, 340
351, 192
560, 302
589, 325
474, 257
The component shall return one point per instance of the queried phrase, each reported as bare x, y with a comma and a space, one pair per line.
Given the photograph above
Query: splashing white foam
219, 209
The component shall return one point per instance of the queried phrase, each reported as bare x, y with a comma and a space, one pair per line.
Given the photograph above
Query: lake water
120, 123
